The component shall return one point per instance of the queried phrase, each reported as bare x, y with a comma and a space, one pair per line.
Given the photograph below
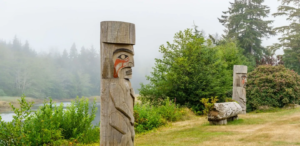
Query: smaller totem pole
239, 85
117, 95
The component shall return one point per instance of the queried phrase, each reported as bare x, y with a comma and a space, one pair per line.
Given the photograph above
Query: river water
8, 116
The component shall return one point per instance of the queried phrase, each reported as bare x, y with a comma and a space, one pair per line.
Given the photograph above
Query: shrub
146, 118
13, 133
208, 104
50, 124
76, 121
273, 86
150, 117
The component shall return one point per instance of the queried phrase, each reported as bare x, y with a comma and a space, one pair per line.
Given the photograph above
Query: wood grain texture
117, 32
117, 96
239, 85
223, 112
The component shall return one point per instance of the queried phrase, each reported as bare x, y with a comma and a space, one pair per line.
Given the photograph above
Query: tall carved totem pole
239, 85
117, 96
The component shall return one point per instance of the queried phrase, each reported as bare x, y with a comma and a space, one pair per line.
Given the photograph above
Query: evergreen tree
17, 45
245, 23
290, 40
65, 54
73, 52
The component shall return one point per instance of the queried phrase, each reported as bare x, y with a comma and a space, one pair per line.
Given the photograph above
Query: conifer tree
290, 39
244, 22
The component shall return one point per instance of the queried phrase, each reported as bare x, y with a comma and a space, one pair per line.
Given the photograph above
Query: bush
150, 117
13, 133
273, 86
50, 124
209, 105
146, 118
170, 111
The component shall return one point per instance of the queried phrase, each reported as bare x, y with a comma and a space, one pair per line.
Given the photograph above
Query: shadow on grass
240, 122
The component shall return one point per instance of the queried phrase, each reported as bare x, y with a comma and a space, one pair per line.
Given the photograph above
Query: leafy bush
50, 124
13, 133
208, 104
76, 120
170, 111
146, 118
149, 117
273, 86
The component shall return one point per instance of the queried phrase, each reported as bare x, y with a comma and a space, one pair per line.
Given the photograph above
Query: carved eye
123, 56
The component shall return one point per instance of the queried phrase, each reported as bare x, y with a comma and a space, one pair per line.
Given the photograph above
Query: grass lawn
253, 129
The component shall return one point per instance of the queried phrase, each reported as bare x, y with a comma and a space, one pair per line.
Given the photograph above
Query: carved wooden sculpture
239, 85
117, 96
223, 112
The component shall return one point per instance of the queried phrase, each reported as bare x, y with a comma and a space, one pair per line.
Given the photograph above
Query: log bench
223, 112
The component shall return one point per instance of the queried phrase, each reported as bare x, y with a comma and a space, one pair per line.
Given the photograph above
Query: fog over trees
74, 72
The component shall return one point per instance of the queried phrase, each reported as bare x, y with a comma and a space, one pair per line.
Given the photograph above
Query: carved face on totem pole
123, 61
241, 80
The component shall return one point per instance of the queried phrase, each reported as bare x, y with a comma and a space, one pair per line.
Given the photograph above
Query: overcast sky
57, 24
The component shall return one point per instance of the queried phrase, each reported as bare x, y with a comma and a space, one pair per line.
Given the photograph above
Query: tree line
58, 75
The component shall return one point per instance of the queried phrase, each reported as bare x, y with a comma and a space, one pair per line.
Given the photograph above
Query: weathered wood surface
117, 96
239, 85
117, 32
223, 112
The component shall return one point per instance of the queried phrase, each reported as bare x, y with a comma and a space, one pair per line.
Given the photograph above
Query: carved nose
130, 64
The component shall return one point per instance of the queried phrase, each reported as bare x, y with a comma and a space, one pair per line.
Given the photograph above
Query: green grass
285, 143
280, 127
180, 137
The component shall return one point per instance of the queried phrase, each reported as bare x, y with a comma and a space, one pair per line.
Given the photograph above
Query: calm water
8, 116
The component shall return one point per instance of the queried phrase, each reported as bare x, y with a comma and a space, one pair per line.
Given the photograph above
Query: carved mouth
129, 72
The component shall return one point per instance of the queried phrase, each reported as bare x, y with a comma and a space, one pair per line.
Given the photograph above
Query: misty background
51, 48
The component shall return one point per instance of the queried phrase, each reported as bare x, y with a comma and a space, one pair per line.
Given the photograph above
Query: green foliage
208, 104
192, 68
150, 117
233, 55
146, 118
13, 133
50, 124
77, 118
291, 59
273, 86
229, 100
290, 39
244, 21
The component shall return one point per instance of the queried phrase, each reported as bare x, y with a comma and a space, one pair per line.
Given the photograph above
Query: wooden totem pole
117, 96
239, 85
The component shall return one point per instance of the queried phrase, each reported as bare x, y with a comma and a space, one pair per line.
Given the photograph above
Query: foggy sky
57, 24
